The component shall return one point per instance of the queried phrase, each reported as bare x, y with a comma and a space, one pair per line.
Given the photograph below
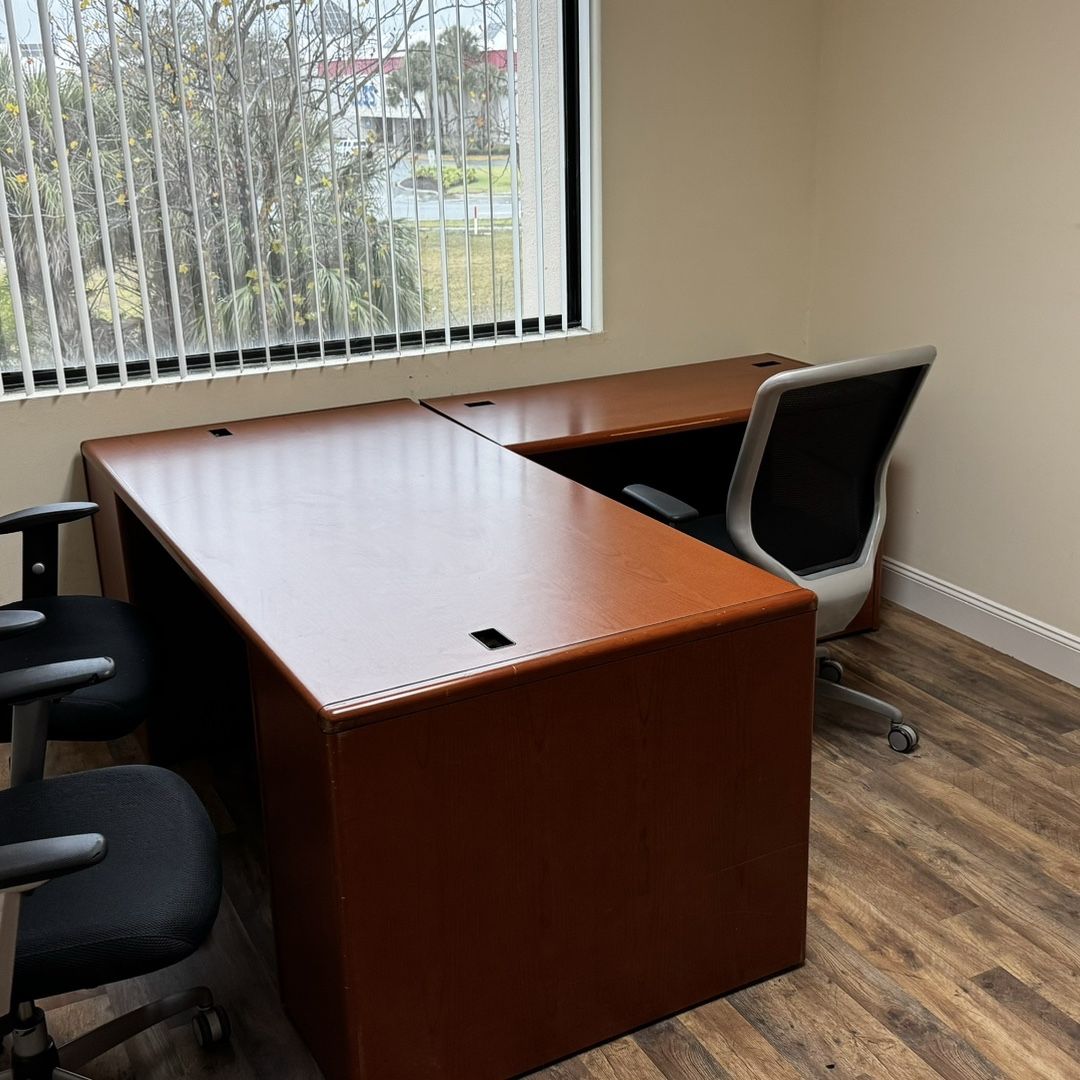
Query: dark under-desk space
694, 466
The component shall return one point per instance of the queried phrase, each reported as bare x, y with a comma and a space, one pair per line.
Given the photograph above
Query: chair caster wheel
211, 1027
903, 738
830, 670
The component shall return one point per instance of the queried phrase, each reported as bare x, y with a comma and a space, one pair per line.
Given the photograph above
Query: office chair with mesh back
807, 497
78, 626
104, 875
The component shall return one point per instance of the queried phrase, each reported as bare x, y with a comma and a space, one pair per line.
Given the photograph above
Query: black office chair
807, 497
104, 875
78, 626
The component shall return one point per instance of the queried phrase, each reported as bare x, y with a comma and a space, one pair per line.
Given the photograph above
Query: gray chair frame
841, 590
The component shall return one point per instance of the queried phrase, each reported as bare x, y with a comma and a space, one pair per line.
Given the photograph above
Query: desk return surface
582, 412
481, 861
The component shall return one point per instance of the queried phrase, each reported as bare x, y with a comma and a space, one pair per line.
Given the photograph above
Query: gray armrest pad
664, 506
42, 860
18, 622
23, 685
52, 514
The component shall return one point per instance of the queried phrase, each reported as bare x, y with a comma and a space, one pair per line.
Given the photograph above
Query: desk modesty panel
583, 412
483, 860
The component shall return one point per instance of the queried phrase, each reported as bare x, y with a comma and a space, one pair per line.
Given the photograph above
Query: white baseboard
1036, 643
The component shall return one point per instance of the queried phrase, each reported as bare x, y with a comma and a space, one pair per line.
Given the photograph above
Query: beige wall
948, 211
726, 110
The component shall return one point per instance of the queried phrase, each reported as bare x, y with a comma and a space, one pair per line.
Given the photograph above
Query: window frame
578, 36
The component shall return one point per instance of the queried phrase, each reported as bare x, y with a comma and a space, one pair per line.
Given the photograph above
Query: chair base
35, 1057
903, 738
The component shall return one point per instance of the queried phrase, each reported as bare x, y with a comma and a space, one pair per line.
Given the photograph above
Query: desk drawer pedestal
473, 890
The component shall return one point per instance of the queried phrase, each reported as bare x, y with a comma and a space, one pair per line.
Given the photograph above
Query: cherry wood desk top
583, 412
360, 547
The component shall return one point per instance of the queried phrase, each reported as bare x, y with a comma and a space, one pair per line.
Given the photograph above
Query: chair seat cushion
78, 627
148, 904
712, 530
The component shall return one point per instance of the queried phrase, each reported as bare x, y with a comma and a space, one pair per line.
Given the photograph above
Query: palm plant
461, 82
23, 176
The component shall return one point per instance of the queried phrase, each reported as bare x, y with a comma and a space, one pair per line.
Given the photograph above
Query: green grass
498, 177
480, 245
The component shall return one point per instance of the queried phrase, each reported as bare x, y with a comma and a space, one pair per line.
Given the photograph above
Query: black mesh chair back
812, 506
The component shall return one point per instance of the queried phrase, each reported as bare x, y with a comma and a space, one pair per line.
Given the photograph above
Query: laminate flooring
944, 926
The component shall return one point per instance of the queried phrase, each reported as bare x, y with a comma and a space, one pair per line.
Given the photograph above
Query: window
188, 186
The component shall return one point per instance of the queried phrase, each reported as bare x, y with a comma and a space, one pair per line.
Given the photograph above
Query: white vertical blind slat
15, 289
491, 170
515, 191
538, 170
71, 226
465, 170
305, 176
99, 195
132, 195
35, 195
163, 195
436, 119
563, 268
230, 264
290, 289
193, 193
416, 194
334, 184
259, 268
585, 160
360, 151
389, 193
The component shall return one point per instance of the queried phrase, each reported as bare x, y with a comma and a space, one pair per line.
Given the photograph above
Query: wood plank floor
944, 932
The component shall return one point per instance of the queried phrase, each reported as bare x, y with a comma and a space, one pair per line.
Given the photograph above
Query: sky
26, 20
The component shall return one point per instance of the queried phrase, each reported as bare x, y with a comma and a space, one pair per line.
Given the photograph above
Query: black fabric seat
150, 903
84, 626
809, 542
712, 530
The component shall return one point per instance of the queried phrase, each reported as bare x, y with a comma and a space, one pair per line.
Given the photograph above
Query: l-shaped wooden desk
534, 767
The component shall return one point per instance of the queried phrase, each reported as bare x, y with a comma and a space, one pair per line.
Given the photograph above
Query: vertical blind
216, 185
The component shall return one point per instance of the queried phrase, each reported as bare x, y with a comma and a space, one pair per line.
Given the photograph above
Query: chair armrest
18, 622
51, 514
51, 681
664, 506
40, 528
42, 860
